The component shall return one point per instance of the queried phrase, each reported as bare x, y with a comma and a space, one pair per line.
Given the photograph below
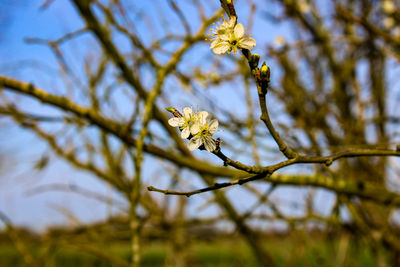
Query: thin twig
360, 189
209, 188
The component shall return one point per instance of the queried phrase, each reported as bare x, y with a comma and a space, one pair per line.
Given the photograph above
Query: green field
286, 252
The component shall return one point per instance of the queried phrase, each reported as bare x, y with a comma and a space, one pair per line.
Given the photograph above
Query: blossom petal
214, 43
176, 122
187, 112
201, 117
247, 43
185, 133
195, 143
225, 37
195, 128
213, 126
221, 48
209, 143
239, 30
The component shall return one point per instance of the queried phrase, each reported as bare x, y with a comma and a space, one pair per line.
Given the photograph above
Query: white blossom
196, 125
224, 28
185, 123
204, 136
230, 36
199, 119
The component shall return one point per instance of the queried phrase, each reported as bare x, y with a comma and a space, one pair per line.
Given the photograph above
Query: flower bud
174, 112
170, 109
254, 59
265, 72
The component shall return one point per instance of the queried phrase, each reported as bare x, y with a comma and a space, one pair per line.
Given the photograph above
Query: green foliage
287, 251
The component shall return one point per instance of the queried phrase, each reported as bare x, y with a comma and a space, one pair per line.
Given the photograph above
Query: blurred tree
329, 97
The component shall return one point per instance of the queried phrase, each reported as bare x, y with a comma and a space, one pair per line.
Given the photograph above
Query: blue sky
20, 150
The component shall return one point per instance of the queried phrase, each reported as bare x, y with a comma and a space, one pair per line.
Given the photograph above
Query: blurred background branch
323, 180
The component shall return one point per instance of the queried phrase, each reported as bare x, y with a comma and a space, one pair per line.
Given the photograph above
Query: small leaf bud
254, 60
174, 111
265, 72
170, 109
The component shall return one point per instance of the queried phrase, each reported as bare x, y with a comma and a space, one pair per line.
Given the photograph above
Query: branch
327, 160
114, 128
261, 77
209, 188
360, 189
75, 189
108, 46
10, 110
